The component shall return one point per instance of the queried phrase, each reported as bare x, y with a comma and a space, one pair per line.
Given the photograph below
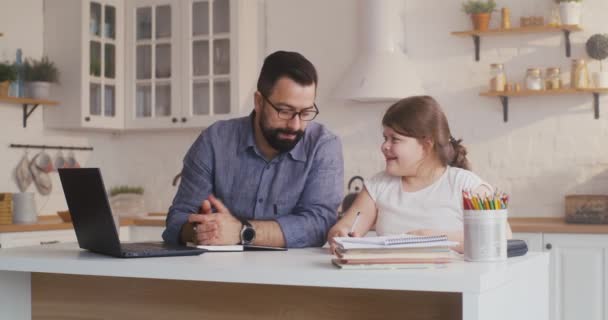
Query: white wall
550, 147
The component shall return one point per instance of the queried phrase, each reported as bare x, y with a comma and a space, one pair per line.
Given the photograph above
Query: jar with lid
579, 74
553, 80
498, 79
534, 80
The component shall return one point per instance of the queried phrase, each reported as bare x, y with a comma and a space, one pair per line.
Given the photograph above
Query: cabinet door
210, 87
146, 233
23, 239
578, 276
153, 54
533, 240
103, 52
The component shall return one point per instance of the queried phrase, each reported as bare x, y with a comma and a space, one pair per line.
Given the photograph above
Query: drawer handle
48, 242
548, 246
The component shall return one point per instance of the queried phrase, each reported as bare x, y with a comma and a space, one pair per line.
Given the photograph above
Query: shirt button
268, 167
260, 200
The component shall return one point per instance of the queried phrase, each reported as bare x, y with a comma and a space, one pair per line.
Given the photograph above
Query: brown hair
421, 117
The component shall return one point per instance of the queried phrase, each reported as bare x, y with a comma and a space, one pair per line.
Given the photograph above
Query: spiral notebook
398, 241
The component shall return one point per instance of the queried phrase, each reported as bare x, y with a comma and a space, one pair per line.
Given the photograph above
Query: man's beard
272, 136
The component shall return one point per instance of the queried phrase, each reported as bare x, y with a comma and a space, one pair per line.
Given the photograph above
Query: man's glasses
287, 114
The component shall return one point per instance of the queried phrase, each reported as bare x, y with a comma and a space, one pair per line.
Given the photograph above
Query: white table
36, 281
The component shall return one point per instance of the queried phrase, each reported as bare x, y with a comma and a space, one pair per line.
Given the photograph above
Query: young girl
420, 191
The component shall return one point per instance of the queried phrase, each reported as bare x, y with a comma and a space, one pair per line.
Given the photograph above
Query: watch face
248, 235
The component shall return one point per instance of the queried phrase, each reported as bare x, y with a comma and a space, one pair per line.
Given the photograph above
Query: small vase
600, 79
570, 13
4, 88
481, 21
39, 90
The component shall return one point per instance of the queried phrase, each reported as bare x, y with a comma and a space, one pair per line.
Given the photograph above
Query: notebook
386, 266
398, 241
240, 247
93, 223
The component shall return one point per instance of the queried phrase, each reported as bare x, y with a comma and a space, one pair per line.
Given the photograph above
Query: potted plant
127, 201
7, 74
39, 74
597, 48
480, 12
570, 11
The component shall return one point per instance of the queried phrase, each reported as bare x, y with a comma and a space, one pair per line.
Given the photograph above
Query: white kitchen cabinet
146, 233
85, 39
47, 237
190, 63
578, 276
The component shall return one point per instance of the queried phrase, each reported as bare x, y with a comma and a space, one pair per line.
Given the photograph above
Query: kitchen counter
554, 225
51, 222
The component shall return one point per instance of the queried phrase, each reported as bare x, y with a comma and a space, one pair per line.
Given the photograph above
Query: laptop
92, 219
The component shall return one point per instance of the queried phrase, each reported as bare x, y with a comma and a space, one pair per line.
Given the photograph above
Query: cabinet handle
184, 119
49, 242
87, 119
548, 246
174, 120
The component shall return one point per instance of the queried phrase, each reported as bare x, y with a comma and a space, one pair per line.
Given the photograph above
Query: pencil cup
485, 235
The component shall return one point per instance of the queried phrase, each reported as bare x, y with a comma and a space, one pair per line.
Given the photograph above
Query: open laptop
92, 219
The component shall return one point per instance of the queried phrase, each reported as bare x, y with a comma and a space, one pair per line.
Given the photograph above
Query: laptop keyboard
143, 249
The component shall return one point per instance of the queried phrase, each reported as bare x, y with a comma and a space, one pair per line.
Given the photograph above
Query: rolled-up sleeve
195, 185
316, 211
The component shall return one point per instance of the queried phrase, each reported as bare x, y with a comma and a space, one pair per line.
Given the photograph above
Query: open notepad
397, 241
239, 247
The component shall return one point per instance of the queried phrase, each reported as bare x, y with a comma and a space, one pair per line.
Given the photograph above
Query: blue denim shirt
300, 189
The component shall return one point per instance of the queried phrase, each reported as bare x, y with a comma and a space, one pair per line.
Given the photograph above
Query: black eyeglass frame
290, 114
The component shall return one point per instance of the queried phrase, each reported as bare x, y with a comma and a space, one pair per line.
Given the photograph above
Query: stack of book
393, 252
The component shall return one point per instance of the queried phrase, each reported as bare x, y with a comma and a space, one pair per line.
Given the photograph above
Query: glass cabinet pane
221, 56
143, 101
200, 98
144, 62
163, 100
221, 16
200, 18
95, 22
163, 61
144, 23
200, 58
163, 22
95, 99
95, 59
109, 26
109, 102
110, 63
221, 97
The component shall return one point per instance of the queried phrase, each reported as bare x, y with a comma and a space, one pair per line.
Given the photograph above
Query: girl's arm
363, 203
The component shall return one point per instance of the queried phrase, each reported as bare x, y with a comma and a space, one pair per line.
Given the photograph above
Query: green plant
597, 48
40, 70
126, 189
476, 7
7, 72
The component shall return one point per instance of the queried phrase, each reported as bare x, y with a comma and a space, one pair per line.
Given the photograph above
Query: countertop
524, 224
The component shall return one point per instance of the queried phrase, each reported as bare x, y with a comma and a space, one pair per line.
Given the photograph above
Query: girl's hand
338, 231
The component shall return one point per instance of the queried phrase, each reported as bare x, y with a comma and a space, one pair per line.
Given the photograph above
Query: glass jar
553, 80
498, 79
534, 80
579, 74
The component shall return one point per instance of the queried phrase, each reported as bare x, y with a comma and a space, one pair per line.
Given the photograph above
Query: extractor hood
382, 70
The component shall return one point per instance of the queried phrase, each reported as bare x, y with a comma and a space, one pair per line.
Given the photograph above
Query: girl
420, 191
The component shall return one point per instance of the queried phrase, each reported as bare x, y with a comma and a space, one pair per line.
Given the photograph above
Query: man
274, 178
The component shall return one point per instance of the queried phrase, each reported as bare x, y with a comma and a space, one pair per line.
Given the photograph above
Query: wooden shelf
505, 95
25, 102
566, 29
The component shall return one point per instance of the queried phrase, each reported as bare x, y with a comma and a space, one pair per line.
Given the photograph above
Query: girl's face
403, 154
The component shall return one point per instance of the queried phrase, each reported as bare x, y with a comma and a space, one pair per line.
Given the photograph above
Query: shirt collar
247, 141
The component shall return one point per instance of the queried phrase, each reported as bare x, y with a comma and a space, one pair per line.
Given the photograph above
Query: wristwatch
247, 232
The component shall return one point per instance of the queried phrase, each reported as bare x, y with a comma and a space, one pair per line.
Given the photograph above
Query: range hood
382, 71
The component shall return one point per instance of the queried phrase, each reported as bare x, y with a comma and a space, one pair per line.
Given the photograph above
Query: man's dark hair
285, 64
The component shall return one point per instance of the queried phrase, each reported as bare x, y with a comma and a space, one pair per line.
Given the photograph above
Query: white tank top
438, 206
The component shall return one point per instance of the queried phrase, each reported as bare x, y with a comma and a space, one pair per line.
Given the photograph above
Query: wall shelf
566, 29
26, 102
505, 95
